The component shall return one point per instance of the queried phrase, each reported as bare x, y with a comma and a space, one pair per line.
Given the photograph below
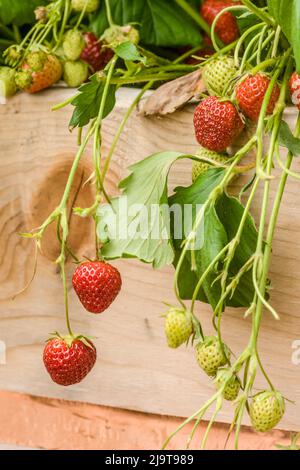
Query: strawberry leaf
130, 226
220, 226
288, 140
87, 102
161, 23
19, 12
128, 51
288, 18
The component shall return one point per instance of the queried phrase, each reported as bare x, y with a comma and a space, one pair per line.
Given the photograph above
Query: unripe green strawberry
36, 60
210, 355
178, 327
116, 35
73, 44
23, 79
33, 82
217, 74
75, 73
266, 410
199, 168
91, 5
232, 387
7, 82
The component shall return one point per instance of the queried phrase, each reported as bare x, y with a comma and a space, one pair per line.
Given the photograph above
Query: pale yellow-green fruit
210, 355
217, 75
91, 5
178, 327
8, 85
73, 44
199, 168
232, 387
75, 73
116, 35
266, 410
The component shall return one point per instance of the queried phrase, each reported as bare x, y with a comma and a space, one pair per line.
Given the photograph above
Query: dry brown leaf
173, 95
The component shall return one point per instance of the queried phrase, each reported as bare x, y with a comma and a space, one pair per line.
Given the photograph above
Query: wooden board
47, 423
135, 369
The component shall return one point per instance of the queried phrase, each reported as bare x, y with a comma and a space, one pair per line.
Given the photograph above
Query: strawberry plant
223, 258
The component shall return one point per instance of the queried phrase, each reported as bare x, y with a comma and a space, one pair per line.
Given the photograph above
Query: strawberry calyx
69, 339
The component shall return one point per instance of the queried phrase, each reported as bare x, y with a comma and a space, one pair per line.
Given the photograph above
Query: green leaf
129, 51
144, 190
287, 15
19, 12
160, 23
288, 140
230, 212
87, 102
220, 226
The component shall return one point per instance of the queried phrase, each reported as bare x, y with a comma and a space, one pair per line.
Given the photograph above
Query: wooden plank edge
52, 424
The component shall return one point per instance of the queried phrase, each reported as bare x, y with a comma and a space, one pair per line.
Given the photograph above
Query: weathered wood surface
47, 423
135, 369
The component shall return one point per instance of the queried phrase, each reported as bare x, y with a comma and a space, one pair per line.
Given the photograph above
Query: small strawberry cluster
266, 408
34, 65
82, 54
219, 121
69, 359
212, 357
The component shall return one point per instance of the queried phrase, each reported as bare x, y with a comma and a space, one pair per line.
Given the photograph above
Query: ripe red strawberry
97, 284
226, 27
217, 124
69, 359
94, 53
46, 71
295, 89
250, 94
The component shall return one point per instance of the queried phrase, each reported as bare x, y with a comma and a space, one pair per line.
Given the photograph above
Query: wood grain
135, 369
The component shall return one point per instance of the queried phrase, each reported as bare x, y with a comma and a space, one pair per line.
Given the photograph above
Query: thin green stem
214, 24
276, 42
155, 77
122, 125
97, 141
67, 10
241, 41
76, 161
262, 47
63, 222
81, 16
271, 229
108, 13
187, 54
259, 12
64, 103
194, 14
17, 34
219, 405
